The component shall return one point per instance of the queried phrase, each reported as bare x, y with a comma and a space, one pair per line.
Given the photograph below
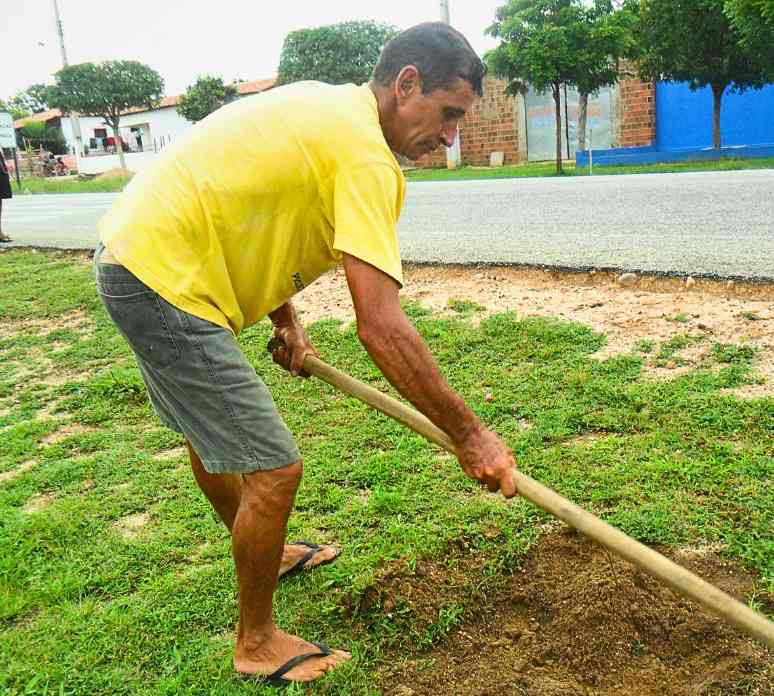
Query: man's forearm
284, 315
404, 359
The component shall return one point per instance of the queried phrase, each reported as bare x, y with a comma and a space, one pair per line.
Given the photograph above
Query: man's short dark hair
439, 52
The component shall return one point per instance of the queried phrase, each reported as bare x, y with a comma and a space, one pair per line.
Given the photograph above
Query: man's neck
385, 107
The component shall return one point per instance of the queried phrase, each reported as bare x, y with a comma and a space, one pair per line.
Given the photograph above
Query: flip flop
277, 677
314, 549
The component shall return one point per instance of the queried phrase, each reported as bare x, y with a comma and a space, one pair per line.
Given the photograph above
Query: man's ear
407, 83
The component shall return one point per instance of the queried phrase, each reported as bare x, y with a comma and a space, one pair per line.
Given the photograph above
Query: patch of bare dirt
115, 173
77, 320
16, 471
654, 309
38, 502
66, 431
171, 453
131, 525
49, 411
575, 620
589, 437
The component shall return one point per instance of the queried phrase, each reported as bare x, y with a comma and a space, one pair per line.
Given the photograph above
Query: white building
144, 131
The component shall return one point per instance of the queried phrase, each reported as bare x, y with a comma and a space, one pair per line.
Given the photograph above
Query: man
253, 204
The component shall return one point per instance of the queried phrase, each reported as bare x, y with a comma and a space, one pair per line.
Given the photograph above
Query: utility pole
453, 158
74, 122
60, 32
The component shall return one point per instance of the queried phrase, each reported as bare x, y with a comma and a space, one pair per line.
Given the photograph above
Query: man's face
425, 122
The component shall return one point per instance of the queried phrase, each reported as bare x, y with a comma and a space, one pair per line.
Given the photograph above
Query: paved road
715, 223
64, 220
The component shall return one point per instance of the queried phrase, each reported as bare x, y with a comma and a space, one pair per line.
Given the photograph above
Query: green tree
754, 20
9, 107
610, 31
108, 90
33, 100
693, 41
203, 97
546, 44
338, 54
36, 134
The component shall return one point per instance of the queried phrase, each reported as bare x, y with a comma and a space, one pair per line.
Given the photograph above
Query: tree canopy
337, 54
694, 41
106, 89
203, 97
37, 134
9, 107
545, 44
32, 100
754, 20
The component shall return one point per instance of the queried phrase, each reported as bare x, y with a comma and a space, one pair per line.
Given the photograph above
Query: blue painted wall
684, 118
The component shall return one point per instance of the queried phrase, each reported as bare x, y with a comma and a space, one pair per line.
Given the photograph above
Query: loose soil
132, 525
654, 308
116, 173
576, 620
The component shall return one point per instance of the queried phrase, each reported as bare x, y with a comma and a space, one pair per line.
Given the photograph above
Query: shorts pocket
140, 318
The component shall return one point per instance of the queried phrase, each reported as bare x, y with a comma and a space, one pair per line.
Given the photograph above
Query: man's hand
294, 345
485, 457
293, 350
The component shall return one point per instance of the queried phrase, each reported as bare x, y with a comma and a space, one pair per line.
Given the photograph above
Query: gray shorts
198, 380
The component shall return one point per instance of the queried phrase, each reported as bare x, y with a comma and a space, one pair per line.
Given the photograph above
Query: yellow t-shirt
259, 199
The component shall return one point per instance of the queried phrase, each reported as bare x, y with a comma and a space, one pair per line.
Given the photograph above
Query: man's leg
224, 491
258, 535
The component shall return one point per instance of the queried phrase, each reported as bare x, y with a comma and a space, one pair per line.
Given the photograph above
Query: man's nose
449, 134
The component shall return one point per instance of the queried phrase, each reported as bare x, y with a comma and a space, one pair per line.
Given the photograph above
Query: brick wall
492, 125
494, 122
636, 122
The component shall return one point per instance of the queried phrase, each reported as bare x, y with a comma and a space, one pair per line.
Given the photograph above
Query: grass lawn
532, 169
116, 578
539, 169
68, 185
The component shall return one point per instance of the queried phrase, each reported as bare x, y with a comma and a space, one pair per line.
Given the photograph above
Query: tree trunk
558, 103
119, 148
717, 93
583, 110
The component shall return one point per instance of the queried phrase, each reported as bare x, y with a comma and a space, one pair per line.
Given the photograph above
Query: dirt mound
116, 173
575, 620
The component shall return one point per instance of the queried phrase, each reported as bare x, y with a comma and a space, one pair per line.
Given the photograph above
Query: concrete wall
159, 124
160, 127
684, 118
135, 161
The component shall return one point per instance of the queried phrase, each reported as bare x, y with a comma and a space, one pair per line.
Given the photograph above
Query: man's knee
277, 483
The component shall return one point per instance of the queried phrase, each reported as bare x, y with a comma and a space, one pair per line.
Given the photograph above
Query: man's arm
404, 359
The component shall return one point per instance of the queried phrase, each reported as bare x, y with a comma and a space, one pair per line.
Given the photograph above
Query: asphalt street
708, 223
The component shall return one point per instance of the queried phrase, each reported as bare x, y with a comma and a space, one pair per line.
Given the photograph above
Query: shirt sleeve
367, 201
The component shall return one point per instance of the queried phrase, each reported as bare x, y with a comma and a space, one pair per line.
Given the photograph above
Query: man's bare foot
293, 554
266, 658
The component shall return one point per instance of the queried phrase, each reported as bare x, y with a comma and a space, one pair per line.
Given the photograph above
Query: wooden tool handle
678, 578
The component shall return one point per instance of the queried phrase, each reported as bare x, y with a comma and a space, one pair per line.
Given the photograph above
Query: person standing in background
5, 192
